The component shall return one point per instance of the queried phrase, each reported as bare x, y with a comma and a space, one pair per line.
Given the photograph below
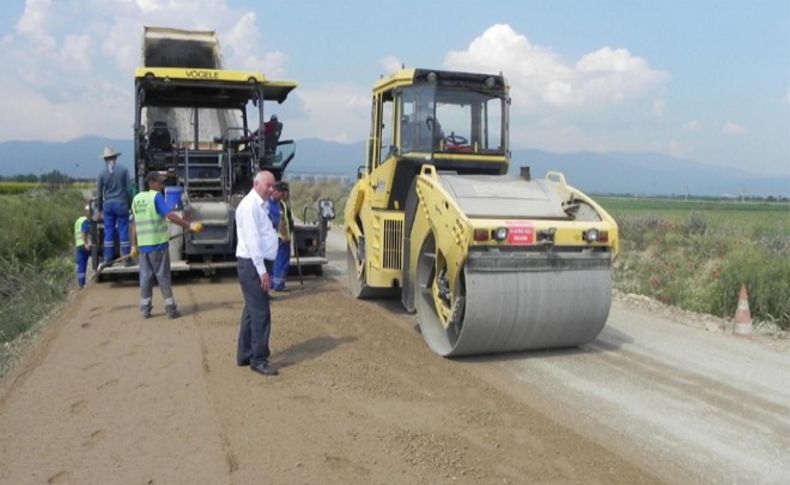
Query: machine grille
393, 240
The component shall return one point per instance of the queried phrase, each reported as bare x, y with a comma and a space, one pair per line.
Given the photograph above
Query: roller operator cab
490, 262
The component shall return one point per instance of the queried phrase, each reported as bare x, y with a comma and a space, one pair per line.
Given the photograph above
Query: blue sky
702, 80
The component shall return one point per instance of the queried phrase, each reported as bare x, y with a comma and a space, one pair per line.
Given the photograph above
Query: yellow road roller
490, 262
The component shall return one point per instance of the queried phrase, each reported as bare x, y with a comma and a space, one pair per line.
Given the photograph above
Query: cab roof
408, 77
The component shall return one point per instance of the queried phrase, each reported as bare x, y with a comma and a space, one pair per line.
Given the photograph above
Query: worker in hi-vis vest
82, 243
151, 212
284, 229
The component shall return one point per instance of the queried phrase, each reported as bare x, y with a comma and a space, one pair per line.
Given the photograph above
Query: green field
7, 187
697, 254
741, 214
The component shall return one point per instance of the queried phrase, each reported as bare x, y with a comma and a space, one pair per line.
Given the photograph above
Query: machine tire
356, 282
441, 340
357, 285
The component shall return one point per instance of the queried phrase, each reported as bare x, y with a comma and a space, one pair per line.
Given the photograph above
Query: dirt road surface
107, 397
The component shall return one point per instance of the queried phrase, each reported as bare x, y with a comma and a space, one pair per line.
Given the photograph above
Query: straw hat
109, 152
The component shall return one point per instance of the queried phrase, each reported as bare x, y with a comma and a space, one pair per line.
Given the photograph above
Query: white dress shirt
255, 234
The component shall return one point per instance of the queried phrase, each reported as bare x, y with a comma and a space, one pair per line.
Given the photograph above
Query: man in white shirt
255, 252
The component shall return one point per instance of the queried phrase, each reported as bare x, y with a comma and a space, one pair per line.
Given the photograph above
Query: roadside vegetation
36, 259
697, 254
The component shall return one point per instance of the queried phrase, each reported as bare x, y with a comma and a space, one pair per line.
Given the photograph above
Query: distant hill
649, 174
612, 172
80, 157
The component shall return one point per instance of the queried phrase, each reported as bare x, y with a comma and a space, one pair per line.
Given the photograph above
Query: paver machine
490, 262
205, 128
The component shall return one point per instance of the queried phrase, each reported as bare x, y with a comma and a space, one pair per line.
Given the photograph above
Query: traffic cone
743, 318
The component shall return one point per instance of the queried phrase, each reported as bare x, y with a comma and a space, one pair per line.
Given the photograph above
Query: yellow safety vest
151, 227
78, 231
284, 216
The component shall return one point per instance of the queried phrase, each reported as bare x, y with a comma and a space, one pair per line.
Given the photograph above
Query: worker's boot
172, 311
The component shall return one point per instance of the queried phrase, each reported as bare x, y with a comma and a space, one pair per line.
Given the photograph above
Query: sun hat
109, 152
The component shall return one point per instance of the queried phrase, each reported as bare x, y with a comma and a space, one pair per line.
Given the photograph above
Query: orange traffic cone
743, 318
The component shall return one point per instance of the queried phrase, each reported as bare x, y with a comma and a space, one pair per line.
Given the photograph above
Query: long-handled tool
121, 258
298, 266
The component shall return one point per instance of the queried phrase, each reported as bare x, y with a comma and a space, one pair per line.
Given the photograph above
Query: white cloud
693, 125
731, 128
33, 24
390, 64
76, 53
104, 109
336, 112
149, 5
74, 60
540, 79
659, 107
243, 41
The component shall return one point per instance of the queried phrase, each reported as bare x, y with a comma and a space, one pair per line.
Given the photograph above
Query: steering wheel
454, 139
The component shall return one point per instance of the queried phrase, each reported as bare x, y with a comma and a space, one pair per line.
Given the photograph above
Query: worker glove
196, 227
133, 253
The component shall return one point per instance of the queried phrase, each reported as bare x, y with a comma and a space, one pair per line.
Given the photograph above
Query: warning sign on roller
520, 234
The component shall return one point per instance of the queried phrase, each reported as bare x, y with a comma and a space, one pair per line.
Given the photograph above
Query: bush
767, 279
700, 266
36, 259
39, 225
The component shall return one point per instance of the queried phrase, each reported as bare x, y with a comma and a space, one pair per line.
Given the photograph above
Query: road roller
489, 259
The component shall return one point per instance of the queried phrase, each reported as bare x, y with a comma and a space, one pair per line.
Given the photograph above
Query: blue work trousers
281, 263
116, 213
83, 255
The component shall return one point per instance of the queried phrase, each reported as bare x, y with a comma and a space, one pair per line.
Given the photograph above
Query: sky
701, 80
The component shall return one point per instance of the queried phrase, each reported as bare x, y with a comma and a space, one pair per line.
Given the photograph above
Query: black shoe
242, 362
264, 367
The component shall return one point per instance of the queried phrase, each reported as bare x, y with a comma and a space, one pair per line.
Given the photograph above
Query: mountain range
608, 172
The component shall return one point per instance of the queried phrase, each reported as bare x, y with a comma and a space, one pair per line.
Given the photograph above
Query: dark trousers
256, 318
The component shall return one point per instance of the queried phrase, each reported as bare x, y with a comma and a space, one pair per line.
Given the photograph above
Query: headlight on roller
594, 235
500, 234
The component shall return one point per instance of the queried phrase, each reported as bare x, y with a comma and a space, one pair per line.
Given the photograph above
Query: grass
307, 194
36, 260
697, 254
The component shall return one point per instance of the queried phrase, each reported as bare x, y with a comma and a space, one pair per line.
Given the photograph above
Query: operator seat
159, 138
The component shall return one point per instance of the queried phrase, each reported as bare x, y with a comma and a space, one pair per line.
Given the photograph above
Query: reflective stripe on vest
78, 231
150, 226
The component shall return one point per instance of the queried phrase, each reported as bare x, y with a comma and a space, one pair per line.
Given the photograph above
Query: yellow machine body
490, 262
